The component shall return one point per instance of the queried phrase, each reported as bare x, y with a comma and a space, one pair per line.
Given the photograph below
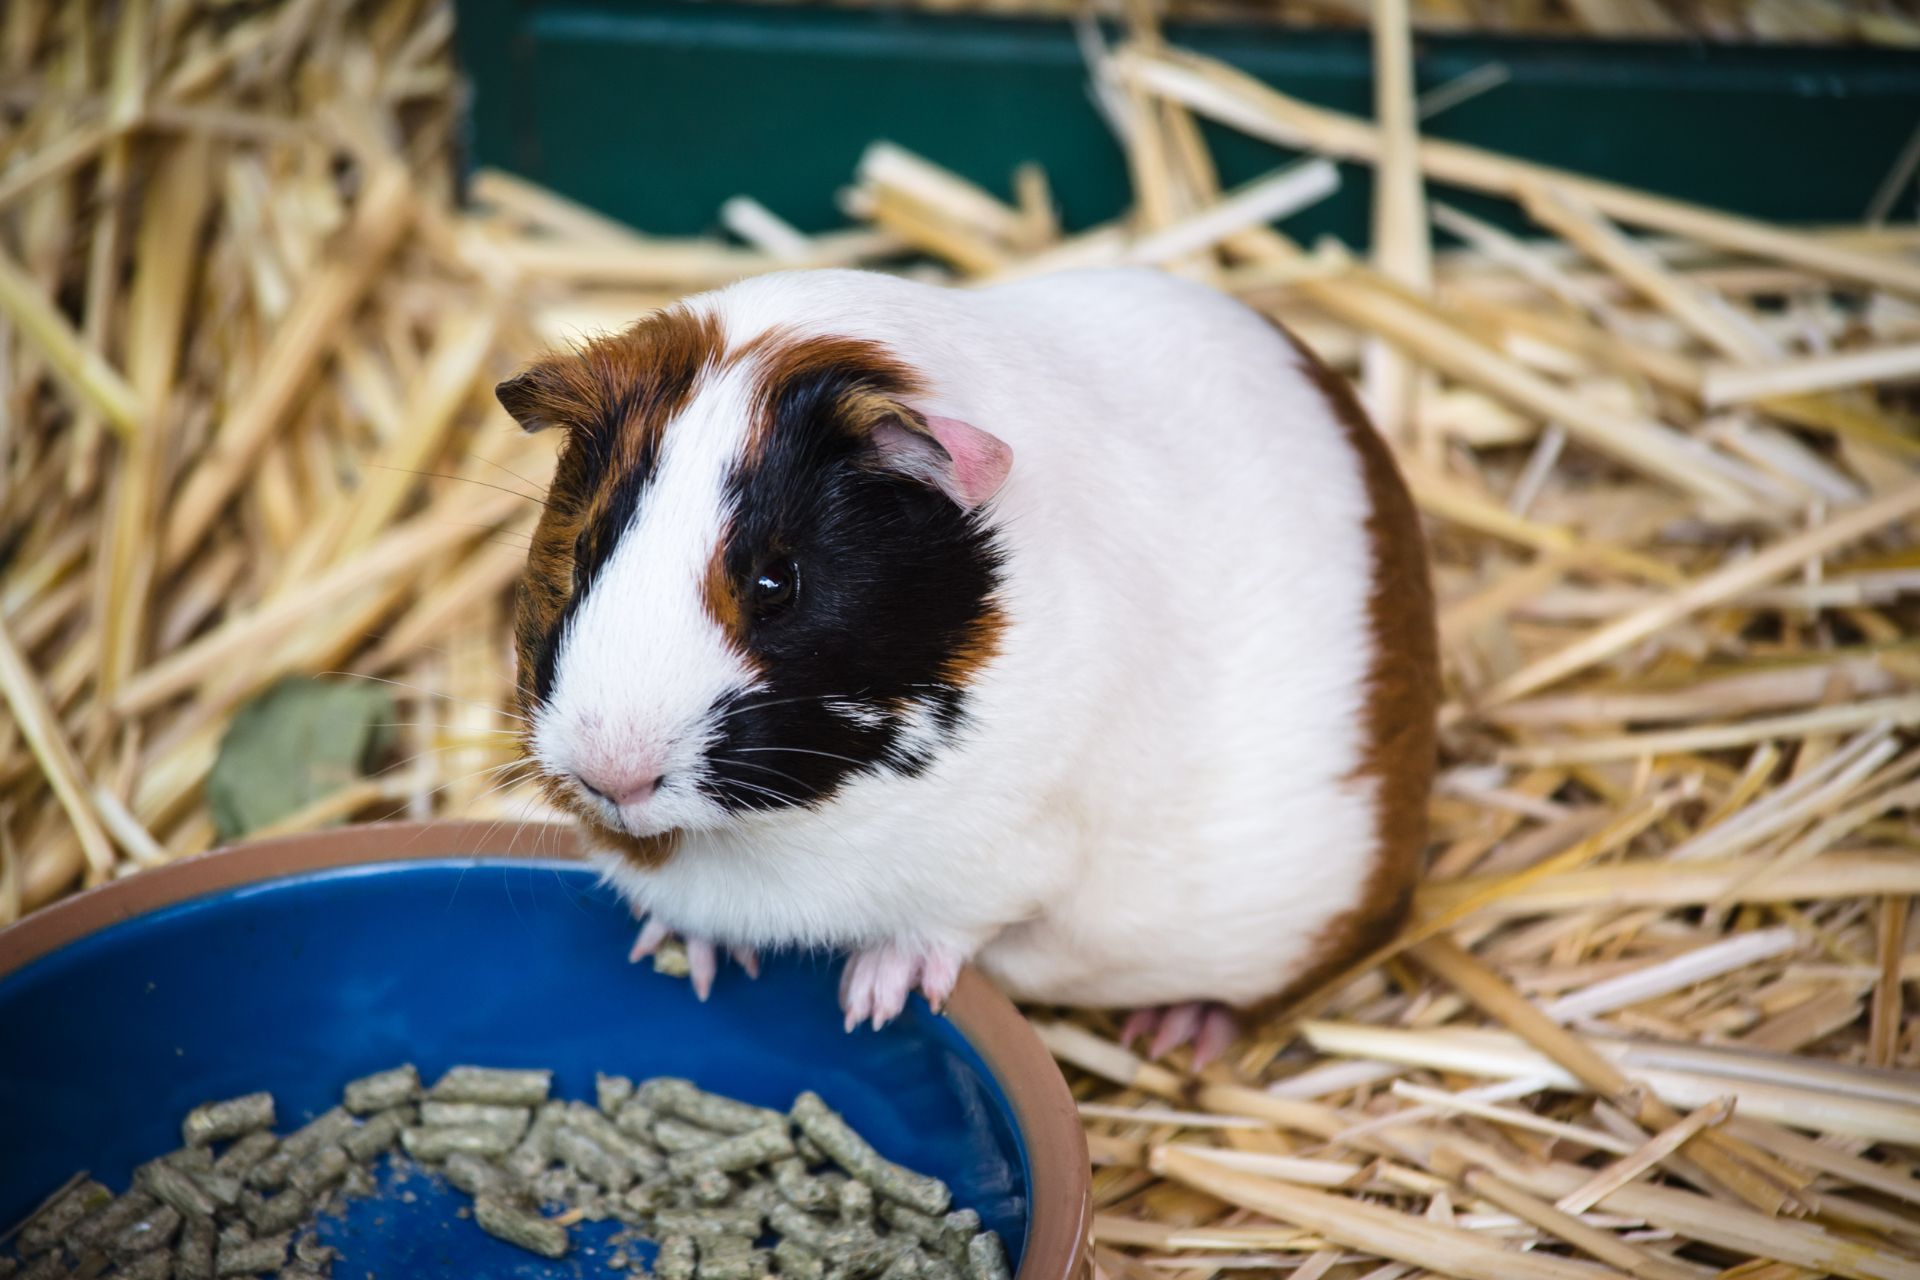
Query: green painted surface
657, 110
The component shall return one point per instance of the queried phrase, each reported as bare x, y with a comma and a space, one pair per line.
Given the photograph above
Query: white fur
1153, 799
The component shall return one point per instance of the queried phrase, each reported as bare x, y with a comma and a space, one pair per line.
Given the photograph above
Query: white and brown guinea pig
1079, 627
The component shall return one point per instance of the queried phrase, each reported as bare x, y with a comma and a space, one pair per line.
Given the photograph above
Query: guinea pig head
762, 572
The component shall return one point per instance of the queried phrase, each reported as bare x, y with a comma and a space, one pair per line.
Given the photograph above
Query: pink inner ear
980, 461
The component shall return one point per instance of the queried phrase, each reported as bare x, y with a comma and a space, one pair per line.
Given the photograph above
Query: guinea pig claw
1218, 1030
1210, 1028
877, 981
652, 934
703, 962
747, 958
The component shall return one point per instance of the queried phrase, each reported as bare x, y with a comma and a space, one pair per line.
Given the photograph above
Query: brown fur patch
877, 378
980, 646
1403, 695
721, 596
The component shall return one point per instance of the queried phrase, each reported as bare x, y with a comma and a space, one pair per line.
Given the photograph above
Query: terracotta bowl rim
1060, 1208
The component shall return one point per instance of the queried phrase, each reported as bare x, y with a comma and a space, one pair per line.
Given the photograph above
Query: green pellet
193, 1252
639, 1154
104, 1225
438, 1144
986, 1257
935, 1267
742, 1265
278, 1213
708, 1110
924, 1227
472, 1115
500, 1086
958, 1230
859, 1254
671, 959
325, 1130
154, 1265
589, 1160
677, 1259
856, 1205
478, 1177
517, 1226
635, 1119
382, 1091
793, 1223
221, 1188
320, 1170
191, 1159
309, 1251
675, 1136
905, 1265
218, 1121
712, 1188
171, 1186
791, 1179
60, 1214
708, 1224
732, 1155
797, 1262
149, 1231
853, 1153
610, 1093
653, 1195
534, 1150
267, 1253
270, 1173
380, 1132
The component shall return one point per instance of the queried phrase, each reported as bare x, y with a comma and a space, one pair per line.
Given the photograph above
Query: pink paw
703, 959
875, 985
1210, 1028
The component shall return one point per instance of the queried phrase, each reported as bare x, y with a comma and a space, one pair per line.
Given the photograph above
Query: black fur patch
896, 585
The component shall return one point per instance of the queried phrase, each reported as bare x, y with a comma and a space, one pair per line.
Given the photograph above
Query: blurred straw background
1652, 1016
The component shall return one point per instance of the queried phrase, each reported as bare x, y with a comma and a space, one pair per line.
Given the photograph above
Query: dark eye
774, 586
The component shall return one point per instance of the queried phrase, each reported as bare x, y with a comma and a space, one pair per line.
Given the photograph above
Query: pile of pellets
709, 1180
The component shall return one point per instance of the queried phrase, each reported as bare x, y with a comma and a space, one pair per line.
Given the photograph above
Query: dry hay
1650, 1015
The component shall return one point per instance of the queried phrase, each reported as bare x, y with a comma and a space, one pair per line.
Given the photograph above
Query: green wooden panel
657, 110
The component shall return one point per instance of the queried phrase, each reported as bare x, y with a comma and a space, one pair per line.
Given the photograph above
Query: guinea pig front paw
877, 980
703, 958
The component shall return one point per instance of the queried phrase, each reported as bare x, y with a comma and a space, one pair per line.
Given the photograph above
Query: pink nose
621, 789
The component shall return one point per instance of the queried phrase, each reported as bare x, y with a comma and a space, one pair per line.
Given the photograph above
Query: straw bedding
1651, 1016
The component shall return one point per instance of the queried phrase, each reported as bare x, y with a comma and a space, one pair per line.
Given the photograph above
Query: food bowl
295, 965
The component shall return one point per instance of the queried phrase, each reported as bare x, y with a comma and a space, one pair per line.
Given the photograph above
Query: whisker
431, 693
806, 751
442, 475
500, 466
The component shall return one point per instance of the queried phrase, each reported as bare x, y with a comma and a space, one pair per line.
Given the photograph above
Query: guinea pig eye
774, 586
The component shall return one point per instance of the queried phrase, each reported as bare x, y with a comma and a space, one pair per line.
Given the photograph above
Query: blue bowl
296, 965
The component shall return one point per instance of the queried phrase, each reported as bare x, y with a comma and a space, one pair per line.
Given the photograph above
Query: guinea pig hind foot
1210, 1028
877, 980
703, 958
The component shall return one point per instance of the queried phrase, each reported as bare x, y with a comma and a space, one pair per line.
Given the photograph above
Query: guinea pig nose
621, 791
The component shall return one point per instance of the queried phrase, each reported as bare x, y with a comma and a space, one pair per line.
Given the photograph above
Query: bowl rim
1059, 1222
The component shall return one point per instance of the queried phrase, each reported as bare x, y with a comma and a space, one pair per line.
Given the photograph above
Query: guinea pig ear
962, 461
536, 398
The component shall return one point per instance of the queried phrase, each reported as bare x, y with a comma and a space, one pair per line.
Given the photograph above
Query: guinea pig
1079, 628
